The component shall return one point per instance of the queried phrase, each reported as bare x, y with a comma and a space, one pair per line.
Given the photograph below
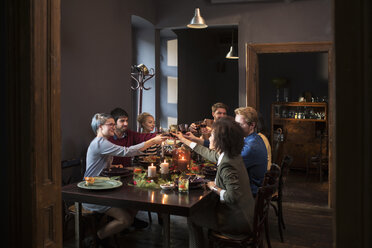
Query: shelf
299, 137
301, 104
293, 119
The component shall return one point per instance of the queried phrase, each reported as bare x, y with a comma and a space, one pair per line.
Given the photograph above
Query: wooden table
164, 202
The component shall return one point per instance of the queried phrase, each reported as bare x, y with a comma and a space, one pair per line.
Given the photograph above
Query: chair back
72, 171
285, 164
277, 146
262, 203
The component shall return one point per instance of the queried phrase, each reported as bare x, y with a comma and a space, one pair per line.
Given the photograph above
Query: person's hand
158, 139
206, 131
189, 136
208, 122
193, 128
179, 136
211, 184
182, 138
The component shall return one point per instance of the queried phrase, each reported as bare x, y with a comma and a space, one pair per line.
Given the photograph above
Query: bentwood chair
276, 201
260, 217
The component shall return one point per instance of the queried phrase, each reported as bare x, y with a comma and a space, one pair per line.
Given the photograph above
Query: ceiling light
197, 21
232, 54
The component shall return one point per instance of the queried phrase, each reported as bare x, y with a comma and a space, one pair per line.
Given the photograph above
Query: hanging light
232, 54
197, 21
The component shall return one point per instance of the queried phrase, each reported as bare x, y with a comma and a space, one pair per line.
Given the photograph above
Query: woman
233, 213
147, 124
99, 156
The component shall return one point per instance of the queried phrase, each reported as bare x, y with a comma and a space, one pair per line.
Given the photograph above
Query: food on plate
89, 180
150, 159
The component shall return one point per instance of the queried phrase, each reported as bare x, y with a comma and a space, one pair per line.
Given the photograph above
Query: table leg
77, 225
166, 230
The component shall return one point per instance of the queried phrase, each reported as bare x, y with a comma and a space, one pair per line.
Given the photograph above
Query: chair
277, 197
72, 172
260, 217
319, 161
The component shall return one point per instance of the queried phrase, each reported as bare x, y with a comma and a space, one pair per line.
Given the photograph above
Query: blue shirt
254, 155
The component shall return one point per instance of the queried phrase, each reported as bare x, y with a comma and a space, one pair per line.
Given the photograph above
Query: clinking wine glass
183, 128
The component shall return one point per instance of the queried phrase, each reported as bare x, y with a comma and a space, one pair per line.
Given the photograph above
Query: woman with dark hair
232, 210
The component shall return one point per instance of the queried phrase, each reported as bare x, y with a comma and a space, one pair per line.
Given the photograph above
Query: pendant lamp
232, 54
197, 21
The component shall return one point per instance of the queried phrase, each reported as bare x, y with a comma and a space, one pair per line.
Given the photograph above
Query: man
254, 152
219, 110
124, 136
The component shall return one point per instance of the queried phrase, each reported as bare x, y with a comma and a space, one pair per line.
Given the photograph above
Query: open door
33, 121
253, 50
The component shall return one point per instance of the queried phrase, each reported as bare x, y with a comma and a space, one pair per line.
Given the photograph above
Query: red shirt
129, 138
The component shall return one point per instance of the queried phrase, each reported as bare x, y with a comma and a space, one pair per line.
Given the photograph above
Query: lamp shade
232, 54
197, 21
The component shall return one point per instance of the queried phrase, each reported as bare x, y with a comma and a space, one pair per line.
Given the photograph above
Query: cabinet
300, 129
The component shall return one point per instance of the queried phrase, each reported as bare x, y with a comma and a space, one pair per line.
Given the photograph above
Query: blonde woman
147, 124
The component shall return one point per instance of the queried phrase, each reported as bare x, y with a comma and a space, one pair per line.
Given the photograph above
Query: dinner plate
101, 184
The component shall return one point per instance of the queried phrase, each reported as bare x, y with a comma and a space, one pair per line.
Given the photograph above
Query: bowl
167, 186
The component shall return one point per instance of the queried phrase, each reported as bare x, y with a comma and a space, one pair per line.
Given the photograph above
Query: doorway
253, 88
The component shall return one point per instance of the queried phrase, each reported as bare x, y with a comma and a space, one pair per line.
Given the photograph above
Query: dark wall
267, 22
143, 34
304, 72
205, 76
96, 56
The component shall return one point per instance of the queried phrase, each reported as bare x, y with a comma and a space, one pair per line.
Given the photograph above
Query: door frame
252, 89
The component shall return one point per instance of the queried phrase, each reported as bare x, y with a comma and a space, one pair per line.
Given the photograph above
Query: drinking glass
183, 184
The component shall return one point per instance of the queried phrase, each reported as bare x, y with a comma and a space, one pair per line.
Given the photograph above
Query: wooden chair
260, 218
320, 161
72, 172
276, 200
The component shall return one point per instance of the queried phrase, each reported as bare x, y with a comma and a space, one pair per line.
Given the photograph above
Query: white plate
167, 186
101, 184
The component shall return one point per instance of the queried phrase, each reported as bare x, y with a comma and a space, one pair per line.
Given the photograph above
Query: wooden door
33, 111
253, 50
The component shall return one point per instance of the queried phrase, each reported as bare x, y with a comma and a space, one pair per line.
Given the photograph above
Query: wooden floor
308, 220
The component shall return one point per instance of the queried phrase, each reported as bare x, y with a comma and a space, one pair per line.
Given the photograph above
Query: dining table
164, 202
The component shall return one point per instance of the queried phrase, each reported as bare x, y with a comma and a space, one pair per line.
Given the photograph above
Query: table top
155, 200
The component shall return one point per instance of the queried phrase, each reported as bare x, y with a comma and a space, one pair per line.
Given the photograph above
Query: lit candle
151, 170
164, 167
182, 164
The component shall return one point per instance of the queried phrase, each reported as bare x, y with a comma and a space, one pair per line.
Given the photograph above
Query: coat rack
141, 74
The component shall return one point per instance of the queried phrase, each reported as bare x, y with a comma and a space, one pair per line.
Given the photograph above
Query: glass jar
183, 184
181, 158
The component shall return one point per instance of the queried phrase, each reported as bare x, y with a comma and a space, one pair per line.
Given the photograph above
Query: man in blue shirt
254, 152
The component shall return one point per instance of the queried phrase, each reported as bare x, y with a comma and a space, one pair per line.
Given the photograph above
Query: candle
151, 170
162, 149
164, 167
182, 164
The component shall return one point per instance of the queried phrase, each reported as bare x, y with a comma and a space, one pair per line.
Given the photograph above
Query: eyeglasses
110, 124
